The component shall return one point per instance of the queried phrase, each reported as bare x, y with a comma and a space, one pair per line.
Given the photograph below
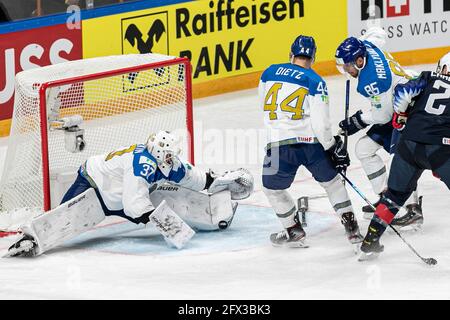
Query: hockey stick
347, 107
428, 261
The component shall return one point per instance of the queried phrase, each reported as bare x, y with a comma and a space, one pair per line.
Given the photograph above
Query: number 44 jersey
296, 106
427, 102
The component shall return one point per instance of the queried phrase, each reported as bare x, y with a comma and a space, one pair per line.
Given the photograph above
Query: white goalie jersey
123, 178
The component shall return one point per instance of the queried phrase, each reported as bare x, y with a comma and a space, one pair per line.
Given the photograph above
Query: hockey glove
399, 120
353, 124
239, 182
339, 155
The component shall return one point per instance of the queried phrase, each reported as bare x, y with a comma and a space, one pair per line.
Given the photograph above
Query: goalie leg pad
175, 231
337, 195
283, 205
66, 221
372, 164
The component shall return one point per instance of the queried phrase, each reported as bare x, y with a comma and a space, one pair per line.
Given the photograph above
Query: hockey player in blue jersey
422, 106
296, 114
378, 74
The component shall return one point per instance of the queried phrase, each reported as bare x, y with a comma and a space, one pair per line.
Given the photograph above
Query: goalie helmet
165, 148
444, 62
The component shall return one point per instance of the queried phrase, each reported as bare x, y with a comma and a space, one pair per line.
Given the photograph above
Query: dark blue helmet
350, 50
304, 46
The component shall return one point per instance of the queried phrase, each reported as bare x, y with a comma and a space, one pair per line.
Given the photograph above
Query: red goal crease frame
44, 121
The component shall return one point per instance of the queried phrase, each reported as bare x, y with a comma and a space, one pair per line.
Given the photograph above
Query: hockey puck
223, 225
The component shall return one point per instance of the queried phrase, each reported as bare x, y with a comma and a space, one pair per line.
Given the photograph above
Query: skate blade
297, 244
368, 256
408, 228
356, 239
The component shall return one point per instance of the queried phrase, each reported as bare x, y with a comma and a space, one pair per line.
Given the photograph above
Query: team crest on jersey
146, 160
376, 102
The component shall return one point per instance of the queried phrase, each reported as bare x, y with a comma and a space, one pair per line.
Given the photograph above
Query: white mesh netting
117, 110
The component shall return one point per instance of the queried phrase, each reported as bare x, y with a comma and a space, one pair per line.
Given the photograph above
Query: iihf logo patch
446, 141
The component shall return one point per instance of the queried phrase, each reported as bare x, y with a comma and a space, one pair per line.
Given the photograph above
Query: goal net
67, 112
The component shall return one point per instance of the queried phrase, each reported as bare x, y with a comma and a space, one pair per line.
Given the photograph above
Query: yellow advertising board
222, 38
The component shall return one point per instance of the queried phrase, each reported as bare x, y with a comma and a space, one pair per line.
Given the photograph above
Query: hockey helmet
304, 46
444, 62
348, 52
165, 148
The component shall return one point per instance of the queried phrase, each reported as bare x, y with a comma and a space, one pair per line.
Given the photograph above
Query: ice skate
25, 247
412, 220
351, 227
293, 237
370, 250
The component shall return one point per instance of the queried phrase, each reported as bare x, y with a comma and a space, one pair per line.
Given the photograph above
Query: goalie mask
165, 148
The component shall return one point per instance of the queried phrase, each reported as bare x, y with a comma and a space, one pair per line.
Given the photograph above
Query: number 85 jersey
376, 82
296, 106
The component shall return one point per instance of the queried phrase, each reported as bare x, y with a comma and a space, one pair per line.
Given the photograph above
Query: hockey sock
283, 205
372, 163
338, 196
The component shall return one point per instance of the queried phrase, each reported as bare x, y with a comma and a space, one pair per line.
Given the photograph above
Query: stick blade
430, 261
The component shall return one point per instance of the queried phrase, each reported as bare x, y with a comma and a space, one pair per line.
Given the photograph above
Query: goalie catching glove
240, 183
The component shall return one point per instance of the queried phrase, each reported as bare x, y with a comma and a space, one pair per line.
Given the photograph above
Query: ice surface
120, 260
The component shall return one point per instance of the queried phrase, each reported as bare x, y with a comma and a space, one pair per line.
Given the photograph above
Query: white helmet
445, 61
165, 148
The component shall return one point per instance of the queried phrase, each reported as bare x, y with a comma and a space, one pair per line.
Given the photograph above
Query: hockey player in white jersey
378, 74
295, 101
124, 180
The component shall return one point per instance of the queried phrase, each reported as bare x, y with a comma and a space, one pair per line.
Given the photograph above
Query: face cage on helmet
340, 65
170, 155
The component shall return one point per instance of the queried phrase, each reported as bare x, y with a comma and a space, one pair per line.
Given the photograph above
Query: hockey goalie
144, 183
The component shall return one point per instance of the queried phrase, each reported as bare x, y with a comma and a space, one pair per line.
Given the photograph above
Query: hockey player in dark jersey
422, 106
